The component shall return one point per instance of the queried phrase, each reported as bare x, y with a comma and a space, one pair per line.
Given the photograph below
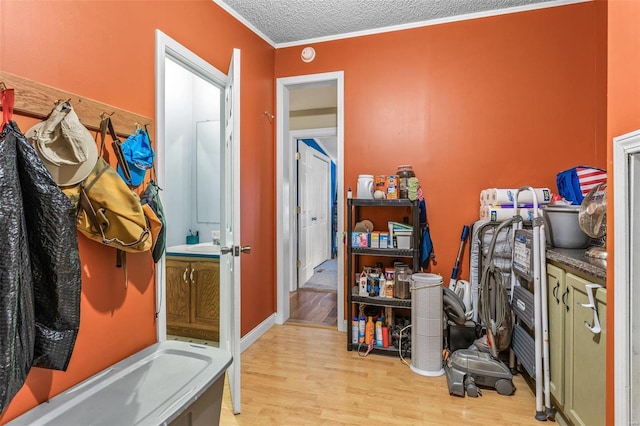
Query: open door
230, 229
314, 226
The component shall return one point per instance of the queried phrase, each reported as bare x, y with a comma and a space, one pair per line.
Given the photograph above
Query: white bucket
426, 324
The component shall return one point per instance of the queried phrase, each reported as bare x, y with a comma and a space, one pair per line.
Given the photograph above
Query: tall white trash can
426, 324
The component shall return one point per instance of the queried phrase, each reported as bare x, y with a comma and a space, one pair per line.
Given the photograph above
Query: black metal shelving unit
354, 207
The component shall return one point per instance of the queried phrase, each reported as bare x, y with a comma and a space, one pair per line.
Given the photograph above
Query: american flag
590, 177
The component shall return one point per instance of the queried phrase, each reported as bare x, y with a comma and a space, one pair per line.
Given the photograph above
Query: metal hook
66, 104
591, 288
269, 116
141, 126
105, 114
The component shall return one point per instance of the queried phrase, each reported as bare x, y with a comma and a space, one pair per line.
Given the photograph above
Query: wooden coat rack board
36, 100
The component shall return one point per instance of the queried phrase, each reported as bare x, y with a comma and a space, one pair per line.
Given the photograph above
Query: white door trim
285, 219
623, 147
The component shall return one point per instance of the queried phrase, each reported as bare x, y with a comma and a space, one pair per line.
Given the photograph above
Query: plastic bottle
385, 337
374, 290
382, 284
355, 326
362, 284
369, 332
349, 193
379, 332
361, 329
388, 289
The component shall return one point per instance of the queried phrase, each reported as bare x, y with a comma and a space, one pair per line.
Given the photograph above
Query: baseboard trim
251, 337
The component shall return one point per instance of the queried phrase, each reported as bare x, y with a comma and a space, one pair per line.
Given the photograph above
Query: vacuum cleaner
467, 369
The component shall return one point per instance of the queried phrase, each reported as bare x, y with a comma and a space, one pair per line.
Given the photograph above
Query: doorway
224, 127
313, 300
287, 189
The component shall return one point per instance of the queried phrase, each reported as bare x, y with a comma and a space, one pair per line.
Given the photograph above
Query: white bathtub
168, 383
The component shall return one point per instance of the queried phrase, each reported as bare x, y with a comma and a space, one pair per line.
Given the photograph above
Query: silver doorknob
235, 250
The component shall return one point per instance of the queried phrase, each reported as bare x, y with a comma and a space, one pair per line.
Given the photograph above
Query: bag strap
153, 162
107, 125
7, 100
121, 262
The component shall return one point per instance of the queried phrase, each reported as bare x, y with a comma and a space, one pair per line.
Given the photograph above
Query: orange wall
623, 116
494, 102
105, 51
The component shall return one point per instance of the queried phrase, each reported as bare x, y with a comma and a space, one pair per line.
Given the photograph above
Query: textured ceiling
290, 21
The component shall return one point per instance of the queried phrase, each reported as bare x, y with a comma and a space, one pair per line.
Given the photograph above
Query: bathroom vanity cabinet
193, 297
577, 349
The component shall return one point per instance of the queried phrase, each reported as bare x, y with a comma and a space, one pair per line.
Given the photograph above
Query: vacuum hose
498, 333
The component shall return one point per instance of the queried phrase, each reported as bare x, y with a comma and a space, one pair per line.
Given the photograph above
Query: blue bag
573, 184
426, 245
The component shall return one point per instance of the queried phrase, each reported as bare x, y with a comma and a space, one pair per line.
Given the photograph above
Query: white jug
365, 187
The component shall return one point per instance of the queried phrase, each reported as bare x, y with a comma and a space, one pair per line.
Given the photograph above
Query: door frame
623, 147
167, 47
285, 181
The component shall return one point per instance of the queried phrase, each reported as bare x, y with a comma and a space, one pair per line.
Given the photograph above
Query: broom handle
456, 268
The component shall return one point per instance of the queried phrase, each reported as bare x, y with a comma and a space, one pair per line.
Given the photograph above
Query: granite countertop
576, 259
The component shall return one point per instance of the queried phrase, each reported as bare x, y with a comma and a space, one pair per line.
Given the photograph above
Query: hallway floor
313, 308
298, 375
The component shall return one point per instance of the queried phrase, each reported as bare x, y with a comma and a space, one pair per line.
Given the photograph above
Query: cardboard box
375, 240
384, 240
360, 239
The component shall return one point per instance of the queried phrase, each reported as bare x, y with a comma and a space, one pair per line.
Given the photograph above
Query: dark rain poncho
40, 273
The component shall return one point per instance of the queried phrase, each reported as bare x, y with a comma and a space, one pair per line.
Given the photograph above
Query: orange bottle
370, 331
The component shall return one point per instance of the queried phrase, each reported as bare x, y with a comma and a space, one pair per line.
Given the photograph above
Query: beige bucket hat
65, 146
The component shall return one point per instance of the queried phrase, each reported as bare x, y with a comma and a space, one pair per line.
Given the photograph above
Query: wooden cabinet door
557, 313
178, 292
206, 294
585, 356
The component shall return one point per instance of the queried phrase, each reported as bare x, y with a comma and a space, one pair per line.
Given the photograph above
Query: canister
402, 282
404, 172
365, 187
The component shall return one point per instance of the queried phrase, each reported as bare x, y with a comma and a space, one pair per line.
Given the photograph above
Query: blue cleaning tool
456, 268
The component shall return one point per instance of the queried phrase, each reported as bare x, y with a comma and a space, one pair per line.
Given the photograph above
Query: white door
230, 232
314, 233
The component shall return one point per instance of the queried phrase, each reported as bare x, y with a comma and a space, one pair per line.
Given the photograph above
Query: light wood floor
295, 375
313, 307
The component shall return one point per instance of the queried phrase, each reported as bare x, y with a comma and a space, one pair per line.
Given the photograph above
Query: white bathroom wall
178, 148
189, 99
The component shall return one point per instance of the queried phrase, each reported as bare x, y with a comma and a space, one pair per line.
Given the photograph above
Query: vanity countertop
206, 250
576, 258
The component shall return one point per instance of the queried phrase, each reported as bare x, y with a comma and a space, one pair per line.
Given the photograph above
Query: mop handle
463, 238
